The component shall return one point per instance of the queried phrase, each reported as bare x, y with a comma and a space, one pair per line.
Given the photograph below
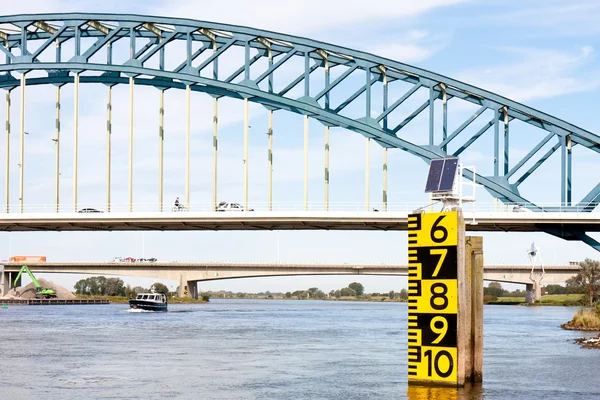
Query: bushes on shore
587, 318
488, 299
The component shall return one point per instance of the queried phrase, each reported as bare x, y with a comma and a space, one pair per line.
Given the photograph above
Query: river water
255, 349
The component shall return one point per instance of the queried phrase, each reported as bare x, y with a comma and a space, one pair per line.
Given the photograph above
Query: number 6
437, 228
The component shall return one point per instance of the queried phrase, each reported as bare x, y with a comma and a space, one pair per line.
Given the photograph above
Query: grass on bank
547, 300
362, 298
586, 318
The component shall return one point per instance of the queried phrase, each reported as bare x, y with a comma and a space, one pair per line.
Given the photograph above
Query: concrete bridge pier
182, 287
190, 286
4, 279
192, 289
533, 292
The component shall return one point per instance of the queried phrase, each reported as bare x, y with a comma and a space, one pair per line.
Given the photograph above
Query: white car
226, 206
520, 208
118, 259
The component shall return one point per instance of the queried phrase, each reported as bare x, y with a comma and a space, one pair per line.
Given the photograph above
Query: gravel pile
28, 292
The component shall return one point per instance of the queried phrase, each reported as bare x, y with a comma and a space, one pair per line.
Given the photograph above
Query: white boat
149, 302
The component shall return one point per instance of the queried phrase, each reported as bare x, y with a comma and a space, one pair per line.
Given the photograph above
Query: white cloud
560, 18
302, 17
538, 74
413, 46
275, 15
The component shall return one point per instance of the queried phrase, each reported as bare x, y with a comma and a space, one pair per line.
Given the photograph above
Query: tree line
355, 289
587, 281
102, 286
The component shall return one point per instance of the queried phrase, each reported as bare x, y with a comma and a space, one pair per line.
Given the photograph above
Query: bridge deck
304, 220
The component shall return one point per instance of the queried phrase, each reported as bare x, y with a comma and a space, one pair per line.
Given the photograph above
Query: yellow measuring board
432, 297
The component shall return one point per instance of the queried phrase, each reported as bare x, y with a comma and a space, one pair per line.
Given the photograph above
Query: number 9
440, 331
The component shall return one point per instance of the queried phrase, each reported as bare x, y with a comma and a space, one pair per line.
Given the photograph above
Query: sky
543, 54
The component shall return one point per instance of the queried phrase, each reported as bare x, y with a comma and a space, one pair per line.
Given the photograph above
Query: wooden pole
477, 306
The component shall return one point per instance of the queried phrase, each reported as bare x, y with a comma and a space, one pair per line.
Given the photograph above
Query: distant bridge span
208, 271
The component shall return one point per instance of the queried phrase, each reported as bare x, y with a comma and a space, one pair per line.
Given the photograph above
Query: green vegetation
587, 318
100, 285
573, 294
547, 300
587, 282
494, 289
124, 300
113, 289
353, 292
357, 287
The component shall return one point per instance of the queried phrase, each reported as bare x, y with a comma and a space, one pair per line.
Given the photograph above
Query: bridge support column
75, 138
182, 288
22, 148
161, 149
7, 156
367, 172
192, 289
326, 190
3, 281
246, 126
108, 143
130, 182
533, 292
306, 163
188, 143
57, 153
215, 151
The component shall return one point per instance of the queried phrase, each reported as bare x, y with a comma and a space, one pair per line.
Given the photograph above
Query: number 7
438, 252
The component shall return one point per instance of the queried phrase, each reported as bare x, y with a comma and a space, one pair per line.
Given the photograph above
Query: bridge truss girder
27, 42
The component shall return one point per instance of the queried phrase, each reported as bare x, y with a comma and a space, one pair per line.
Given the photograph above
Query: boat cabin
149, 302
157, 297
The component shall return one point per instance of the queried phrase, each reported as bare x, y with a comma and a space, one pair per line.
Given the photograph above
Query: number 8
441, 294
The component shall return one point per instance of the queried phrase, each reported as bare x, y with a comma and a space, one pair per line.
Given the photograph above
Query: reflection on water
469, 392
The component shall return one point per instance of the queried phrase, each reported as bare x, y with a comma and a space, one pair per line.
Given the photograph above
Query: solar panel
435, 174
448, 175
442, 173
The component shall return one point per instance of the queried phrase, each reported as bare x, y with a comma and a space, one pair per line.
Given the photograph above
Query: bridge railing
402, 207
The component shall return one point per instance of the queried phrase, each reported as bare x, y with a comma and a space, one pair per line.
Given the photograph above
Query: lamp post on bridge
278, 258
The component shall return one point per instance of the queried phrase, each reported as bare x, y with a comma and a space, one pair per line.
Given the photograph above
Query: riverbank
587, 320
589, 343
566, 300
124, 300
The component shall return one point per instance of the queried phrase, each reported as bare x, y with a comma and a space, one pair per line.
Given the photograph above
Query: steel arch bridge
74, 48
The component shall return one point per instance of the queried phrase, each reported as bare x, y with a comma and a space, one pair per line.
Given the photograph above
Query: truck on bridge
27, 259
